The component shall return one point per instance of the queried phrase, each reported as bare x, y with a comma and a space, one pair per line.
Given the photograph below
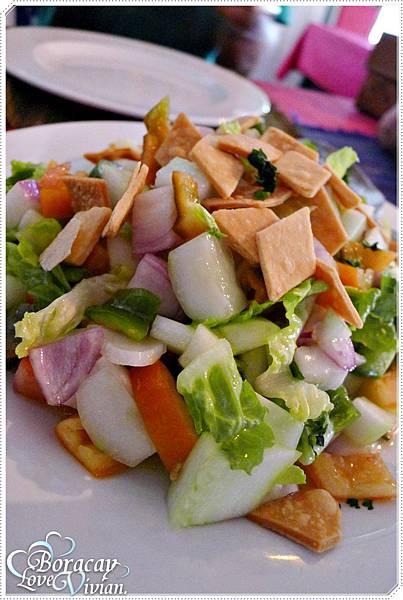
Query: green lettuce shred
24, 170
341, 160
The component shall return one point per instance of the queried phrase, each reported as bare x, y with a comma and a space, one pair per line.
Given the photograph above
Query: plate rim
33, 79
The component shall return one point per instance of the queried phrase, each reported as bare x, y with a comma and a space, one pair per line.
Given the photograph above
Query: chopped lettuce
386, 305
282, 345
304, 400
363, 300
376, 363
315, 437
40, 234
232, 127
24, 170
292, 475
64, 313
342, 160
344, 411
376, 335
227, 407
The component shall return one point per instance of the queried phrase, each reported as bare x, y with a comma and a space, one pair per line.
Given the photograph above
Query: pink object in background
358, 19
319, 109
333, 58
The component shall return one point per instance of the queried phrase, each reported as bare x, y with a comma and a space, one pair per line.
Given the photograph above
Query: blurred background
330, 71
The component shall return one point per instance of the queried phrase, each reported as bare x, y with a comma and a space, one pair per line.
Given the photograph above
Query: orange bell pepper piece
349, 275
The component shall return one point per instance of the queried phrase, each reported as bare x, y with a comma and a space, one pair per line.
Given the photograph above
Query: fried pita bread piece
358, 476
86, 192
113, 152
286, 253
125, 204
216, 203
179, 141
221, 169
284, 142
248, 121
336, 295
242, 145
301, 174
241, 225
92, 222
74, 438
342, 192
310, 517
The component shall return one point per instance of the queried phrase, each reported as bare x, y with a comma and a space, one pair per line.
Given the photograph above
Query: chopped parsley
261, 195
370, 246
266, 171
368, 504
259, 127
354, 262
353, 502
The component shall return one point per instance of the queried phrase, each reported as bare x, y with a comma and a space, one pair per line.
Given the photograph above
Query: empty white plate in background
128, 76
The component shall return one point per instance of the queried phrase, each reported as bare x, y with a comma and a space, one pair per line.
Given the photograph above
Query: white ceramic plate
128, 76
125, 517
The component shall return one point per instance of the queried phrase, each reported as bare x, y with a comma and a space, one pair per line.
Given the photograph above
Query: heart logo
70, 582
62, 546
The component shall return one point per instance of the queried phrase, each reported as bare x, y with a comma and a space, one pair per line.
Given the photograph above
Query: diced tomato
98, 261
54, 196
164, 413
25, 382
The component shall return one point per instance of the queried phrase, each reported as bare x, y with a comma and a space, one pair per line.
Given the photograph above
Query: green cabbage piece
65, 313
24, 170
342, 160
303, 400
225, 406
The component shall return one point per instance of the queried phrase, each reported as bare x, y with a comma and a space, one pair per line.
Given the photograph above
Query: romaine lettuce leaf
64, 313
24, 170
342, 160
344, 411
363, 300
386, 305
316, 435
376, 335
376, 363
40, 234
245, 450
304, 400
292, 474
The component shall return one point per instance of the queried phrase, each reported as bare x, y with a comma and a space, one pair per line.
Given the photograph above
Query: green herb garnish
267, 172
368, 504
353, 502
261, 195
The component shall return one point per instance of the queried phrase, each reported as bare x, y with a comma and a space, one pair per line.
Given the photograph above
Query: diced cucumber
203, 339
203, 277
287, 430
355, 224
176, 336
253, 363
371, 425
208, 490
249, 334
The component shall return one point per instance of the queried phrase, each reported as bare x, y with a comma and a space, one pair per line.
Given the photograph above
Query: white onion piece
152, 274
322, 253
203, 277
110, 416
355, 224
374, 236
316, 367
154, 215
202, 340
31, 217
175, 335
23, 196
164, 176
60, 367
117, 177
121, 350
333, 337
120, 252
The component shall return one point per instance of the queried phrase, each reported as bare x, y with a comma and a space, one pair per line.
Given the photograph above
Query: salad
220, 298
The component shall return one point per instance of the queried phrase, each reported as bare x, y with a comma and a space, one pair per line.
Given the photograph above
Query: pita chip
125, 204
240, 202
181, 138
343, 193
301, 174
286, 253
113, 152
241, 225
284, 142
310, 517
248, 121
86, 192
336, 295
221, 169
92, 222
326, 223
242, 145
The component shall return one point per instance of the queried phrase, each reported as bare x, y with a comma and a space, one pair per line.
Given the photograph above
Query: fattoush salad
221, 298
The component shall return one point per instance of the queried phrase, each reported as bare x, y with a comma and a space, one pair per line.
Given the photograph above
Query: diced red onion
152, 274
60, 367
333, 337
154, 215
316, 367
359, 359
23, 196
322, 253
